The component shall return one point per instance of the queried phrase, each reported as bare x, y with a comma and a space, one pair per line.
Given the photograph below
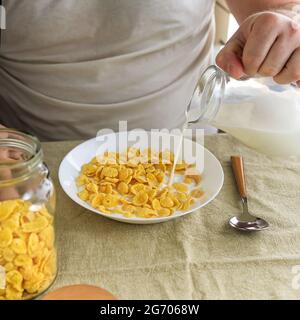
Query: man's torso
109, 59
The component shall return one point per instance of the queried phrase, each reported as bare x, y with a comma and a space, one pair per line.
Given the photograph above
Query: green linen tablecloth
195, 257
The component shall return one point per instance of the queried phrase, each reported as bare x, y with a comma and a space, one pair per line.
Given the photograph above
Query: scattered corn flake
123, 188
181, 187
194, 174
197, 193
166, 202
164, 212
140, 198
136, 188
188, 180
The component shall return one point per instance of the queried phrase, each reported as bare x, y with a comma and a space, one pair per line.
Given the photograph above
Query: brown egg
79, 292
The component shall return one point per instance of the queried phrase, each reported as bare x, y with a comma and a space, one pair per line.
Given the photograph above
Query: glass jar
262, 114
27, 204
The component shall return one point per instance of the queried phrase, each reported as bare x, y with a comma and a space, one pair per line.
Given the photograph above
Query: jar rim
25, 142
212, 87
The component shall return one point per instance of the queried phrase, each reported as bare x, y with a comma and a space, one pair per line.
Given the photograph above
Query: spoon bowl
257, 225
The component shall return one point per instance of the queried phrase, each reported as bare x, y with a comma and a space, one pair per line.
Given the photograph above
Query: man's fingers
276, 58
291, 72
260, 40
2, 134
265, 44
229, 58
16, 155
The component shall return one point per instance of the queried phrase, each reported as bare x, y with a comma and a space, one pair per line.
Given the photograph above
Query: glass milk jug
257, 111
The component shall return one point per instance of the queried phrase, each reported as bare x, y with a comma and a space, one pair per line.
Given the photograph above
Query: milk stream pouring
260, 113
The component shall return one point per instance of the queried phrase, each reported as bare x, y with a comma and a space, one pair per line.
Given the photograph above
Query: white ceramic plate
207, 163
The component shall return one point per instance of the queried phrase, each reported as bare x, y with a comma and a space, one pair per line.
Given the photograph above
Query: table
195, 257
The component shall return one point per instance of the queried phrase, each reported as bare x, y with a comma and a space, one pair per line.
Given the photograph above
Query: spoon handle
238, 171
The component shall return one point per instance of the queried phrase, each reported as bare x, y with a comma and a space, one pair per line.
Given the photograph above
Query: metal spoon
246, 221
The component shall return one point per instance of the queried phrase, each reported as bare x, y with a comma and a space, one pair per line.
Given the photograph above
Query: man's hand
267, 44
8, 156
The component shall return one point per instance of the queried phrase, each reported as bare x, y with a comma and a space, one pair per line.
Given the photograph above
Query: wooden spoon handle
238, 171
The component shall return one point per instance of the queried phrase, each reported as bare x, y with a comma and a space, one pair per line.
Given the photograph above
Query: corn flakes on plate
129, 182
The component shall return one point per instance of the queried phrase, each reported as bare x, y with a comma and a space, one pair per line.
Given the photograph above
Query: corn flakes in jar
28, 262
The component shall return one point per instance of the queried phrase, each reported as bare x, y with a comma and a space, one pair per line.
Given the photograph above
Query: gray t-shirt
71, 67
